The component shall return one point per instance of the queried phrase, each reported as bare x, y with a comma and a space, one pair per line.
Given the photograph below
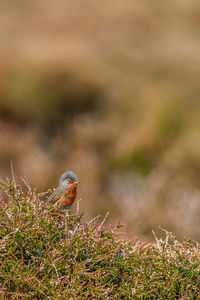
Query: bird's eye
69, 181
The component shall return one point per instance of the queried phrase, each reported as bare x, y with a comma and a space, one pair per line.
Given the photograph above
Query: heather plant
48, 255
112, 92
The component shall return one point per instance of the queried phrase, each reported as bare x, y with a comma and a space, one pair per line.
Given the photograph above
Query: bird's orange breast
71, 192
68, 198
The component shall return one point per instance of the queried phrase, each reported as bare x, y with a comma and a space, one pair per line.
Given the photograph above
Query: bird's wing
55, 196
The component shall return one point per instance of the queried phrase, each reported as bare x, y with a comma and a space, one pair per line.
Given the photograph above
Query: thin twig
104, 220
155, 236
25, 181
78, 207
56, 271
97, 217
12, 172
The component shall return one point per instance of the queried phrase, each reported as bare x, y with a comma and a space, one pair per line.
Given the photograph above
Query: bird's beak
77, 182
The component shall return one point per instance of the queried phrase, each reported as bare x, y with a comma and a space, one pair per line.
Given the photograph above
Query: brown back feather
56, 195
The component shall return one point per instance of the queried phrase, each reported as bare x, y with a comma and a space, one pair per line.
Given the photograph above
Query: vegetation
46, 255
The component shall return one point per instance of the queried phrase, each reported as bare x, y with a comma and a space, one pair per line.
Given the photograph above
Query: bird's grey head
66, 179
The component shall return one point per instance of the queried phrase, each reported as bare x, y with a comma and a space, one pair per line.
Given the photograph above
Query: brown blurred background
110, 90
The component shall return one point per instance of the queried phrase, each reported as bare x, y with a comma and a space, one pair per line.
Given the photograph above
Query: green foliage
46, 254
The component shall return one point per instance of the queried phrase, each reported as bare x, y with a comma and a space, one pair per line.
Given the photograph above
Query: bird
65, 194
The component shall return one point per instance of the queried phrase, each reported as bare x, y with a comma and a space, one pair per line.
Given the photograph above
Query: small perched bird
65, 194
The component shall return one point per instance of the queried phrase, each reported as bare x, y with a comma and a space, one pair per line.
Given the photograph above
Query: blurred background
110, 90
